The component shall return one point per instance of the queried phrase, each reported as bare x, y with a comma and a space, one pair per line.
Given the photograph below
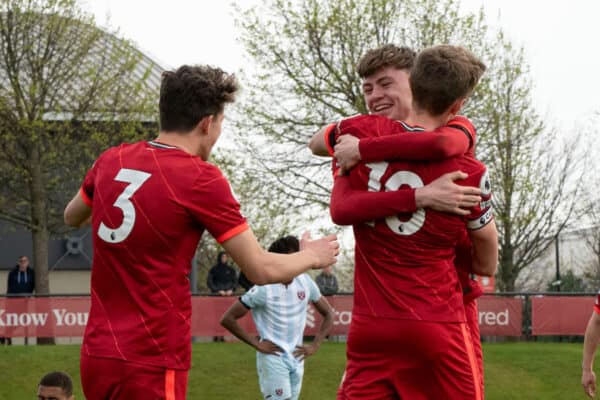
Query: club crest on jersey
301, 294
485, 184
279, 392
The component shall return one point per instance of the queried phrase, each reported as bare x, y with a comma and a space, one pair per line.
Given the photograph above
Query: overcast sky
560, 40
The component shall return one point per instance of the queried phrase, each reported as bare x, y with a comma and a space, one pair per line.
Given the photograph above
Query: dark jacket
20, 282
221, 277
328, 284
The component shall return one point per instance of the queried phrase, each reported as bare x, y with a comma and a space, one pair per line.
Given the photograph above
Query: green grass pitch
513, 371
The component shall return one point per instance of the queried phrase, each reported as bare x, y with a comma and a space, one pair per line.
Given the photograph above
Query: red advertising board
67, 316
500, 316
560, 315
207, 312
43, 316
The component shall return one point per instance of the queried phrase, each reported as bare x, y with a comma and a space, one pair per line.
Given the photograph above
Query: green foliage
67, 91
524, 371
569, 282
304, 54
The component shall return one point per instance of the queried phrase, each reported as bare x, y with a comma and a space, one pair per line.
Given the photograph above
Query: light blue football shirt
279, 311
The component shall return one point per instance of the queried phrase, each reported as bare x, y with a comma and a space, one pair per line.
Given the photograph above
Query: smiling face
387, 93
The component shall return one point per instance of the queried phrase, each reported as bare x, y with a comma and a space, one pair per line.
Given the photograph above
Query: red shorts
406, 359
108, 378
473, 324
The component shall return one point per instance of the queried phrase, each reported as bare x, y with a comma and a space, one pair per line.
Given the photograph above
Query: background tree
569, 282
268, 217
536, 175
304, 53
67, 91
591, 222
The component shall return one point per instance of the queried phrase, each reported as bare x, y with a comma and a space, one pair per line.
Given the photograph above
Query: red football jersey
454, 139
404, 264
150, 205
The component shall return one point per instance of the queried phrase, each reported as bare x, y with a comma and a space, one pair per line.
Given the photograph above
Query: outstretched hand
325, 249
446, 196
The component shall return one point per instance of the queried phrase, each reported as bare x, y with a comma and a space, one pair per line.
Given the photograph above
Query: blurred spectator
55, 386
222, 278
21, 282
21, 279
327, 282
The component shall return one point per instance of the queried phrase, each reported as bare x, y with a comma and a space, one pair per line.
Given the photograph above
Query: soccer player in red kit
408, 337
385, 73
149, 204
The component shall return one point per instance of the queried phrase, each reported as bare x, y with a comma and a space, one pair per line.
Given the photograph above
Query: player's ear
457, 106
205, 123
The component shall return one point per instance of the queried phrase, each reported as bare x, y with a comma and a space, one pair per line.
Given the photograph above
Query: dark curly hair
285, 245
191, 93
58, 379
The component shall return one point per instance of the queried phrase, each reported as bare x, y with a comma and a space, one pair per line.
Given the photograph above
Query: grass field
514, 371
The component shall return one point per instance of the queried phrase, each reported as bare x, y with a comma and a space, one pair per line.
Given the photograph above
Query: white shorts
279, 377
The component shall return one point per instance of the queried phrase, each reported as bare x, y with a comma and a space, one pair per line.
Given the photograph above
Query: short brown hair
388, 55
443, 74
191, 93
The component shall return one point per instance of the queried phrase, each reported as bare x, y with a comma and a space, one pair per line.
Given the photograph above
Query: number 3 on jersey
394, 182
135, 179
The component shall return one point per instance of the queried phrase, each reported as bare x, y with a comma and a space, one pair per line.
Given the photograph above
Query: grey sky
560, 40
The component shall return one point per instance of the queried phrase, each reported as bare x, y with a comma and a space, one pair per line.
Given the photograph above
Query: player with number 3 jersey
149, 204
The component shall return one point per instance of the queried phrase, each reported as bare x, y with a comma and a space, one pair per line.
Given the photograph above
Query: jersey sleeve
456, 138
482, 214
88, 185
255, 297
213, 205
350, 206
329, 135
597, 303
314, 294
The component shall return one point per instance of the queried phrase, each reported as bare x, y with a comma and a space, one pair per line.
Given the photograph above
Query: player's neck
186, 142
425, 120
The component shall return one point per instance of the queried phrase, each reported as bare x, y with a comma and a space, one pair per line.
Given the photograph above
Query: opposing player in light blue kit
279, 312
